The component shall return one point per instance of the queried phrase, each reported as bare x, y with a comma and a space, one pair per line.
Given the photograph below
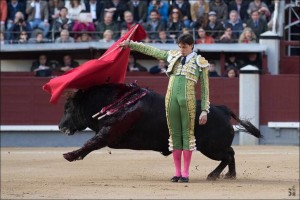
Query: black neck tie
183, 60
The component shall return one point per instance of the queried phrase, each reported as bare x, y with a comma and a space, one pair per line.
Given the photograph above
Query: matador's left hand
124, 44
203, 118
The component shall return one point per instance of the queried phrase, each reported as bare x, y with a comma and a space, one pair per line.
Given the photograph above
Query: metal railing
95, 36
292, 37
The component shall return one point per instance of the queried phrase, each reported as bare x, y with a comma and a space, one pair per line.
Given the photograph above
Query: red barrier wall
279, 98
23, 102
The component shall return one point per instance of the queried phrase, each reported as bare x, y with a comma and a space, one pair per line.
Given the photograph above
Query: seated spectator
128, 20
3, 15
37, 15
19, 25
203, 38
247, 36
68, 63
253, 59
64, 37
231, 61
175, 23
62, 22
147, 40
54, 9
220, 8
186, 31
82, 25
164, 38
23, 38
123, 32
162, 7
228, 36
214, 28
234, 23
94, 7
160, 68
257, 24
13, 6
139, 10
84, 37
74, 8
261, 7
231, 73
117, 8
107, 36
199, 13
41, 67
212, 69
241, 6
107, 24
154, 25
185, 9
39, 38
133, 66
2, 39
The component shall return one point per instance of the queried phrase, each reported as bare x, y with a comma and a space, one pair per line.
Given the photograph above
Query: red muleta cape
111, 66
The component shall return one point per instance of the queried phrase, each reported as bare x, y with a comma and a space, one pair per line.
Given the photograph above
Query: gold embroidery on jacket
188, 70
167, 105
201, 62
191, 106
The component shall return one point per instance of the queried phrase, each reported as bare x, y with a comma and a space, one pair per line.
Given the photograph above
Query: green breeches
180, 110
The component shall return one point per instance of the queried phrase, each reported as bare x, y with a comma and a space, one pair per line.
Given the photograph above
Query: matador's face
185, 49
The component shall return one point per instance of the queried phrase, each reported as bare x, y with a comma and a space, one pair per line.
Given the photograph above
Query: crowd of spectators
69, 21
234, 63
43, 67
212, 21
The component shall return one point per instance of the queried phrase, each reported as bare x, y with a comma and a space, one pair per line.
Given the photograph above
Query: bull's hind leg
231, 174
216, 173
96, 142
229, 160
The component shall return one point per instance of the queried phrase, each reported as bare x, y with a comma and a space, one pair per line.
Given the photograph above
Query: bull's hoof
230, 175
71, 156
166, 153
212, 177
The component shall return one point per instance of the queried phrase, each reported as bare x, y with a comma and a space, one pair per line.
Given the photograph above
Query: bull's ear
70, 93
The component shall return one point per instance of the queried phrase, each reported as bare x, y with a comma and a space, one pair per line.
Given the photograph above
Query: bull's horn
95, 115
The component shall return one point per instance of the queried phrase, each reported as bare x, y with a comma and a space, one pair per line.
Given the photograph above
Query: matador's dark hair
186, 39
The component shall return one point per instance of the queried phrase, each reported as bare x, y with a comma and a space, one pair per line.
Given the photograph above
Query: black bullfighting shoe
183, 180
175, 178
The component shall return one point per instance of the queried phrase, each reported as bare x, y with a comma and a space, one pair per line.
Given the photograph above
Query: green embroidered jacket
194, 70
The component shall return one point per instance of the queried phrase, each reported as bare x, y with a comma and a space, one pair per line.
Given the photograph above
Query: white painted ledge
284, 125
31, 128
43, 128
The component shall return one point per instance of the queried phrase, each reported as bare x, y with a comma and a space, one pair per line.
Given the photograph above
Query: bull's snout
66, 130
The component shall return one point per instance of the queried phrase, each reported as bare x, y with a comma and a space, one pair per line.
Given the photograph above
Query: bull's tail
246, 126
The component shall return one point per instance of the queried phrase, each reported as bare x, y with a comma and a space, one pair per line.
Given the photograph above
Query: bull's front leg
96, 142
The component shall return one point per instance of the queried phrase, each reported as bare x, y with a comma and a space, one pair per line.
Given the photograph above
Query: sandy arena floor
264, 172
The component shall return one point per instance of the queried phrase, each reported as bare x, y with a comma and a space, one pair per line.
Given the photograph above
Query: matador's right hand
203, 118
124, 44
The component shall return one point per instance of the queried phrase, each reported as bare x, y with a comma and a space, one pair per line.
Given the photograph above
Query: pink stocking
177, 162
187, 156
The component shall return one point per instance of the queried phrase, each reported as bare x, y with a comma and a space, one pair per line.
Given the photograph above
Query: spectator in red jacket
3, 14
203, 37
82, 25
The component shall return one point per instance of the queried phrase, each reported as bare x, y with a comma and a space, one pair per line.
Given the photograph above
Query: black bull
139, 122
